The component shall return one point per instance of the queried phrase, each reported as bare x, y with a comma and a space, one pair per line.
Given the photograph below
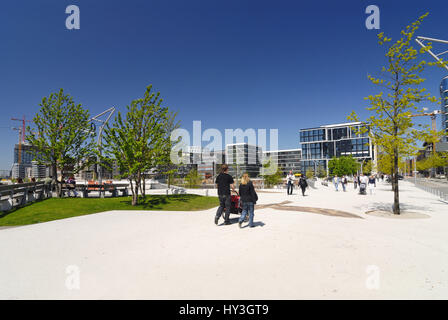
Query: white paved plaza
289, 255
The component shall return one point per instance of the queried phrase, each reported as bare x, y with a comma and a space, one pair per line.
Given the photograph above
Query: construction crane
24, 121
21, 135
431, 114
433, 121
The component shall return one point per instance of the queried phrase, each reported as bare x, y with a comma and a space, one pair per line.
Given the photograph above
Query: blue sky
231, 64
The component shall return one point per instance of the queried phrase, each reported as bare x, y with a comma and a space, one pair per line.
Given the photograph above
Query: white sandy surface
288, 255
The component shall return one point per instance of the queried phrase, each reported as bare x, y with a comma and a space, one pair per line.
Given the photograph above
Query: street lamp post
100, 141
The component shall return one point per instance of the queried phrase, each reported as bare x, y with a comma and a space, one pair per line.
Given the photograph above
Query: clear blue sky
282, 64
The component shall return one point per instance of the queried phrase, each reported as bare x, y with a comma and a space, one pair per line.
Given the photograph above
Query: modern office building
321, 144
287, 160
210, 165
23, 157
242, 158
39, 171
444, 107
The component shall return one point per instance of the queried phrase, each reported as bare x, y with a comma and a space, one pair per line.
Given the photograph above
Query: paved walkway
291, 254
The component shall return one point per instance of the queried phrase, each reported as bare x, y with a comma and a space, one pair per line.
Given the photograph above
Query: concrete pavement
291, 254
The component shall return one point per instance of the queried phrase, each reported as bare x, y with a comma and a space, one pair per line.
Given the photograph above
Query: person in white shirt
290, 181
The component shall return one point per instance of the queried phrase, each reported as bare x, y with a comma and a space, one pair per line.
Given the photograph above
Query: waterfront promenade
321, 246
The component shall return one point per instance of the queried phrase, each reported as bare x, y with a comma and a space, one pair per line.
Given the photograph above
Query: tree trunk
56, 186
135, 193
396, 206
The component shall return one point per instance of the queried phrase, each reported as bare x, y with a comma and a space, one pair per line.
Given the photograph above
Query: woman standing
248, 198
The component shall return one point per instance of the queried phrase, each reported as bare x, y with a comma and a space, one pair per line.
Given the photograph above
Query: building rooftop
334, 125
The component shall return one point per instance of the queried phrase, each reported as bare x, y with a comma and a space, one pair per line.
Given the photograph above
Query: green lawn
54, 209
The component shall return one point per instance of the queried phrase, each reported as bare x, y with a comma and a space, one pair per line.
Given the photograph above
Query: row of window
326, 150
333, 134
312, 135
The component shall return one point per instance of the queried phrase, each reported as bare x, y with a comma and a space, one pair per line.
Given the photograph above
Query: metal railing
431, 187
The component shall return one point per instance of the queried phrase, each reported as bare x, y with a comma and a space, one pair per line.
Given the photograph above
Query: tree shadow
153, 201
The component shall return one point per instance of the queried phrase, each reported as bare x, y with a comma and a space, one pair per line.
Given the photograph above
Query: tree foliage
62, 135
272, 179
140, 140
345, 165
193, 178
435, 160
390, 125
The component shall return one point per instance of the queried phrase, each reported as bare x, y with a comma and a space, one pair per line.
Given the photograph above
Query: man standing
224, 182
290, 182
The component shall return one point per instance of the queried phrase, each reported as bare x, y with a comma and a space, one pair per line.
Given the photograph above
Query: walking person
248, 198
344, 183
290, 182
336, 182
372, 184
363, 181
355, 181
224, 181
303, 184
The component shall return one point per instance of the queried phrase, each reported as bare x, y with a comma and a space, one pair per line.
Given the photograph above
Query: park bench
113, 188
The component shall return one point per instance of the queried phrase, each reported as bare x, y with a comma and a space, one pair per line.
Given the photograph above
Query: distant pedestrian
372, 184
344, 183
303, 184
224, 182
248, 198
355, 181
336, 182
290, 181
363, 181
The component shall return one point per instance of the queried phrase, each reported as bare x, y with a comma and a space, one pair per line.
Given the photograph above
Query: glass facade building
243, 158
321, 144
444, 108
287, 160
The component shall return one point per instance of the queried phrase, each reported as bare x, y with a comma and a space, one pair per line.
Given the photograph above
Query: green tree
309, 173
435, 160
391, 126
62, 135
141, 140
345, 165
193, 178
272, 179
321, 173
367, 167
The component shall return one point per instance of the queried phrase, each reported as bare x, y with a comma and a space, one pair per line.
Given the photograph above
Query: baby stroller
235, 205
362, 188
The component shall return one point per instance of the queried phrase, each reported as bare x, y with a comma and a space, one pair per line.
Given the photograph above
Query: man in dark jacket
303, 184
224, 182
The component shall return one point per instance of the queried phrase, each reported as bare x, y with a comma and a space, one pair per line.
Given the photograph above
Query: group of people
248, 197
290, 178
363, 181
